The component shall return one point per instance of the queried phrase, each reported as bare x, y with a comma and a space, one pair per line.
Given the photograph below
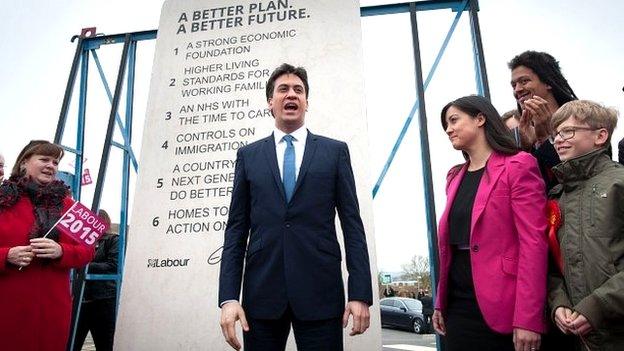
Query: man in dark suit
427, 307
281, 233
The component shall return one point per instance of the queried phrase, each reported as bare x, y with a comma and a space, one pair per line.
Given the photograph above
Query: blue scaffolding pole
87, 47
419, 105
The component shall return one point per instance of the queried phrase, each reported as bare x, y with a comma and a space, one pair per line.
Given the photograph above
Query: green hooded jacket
591, 238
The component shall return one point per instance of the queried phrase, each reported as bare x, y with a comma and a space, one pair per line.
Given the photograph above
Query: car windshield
412, 304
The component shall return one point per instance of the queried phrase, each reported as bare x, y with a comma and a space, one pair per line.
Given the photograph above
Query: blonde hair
592, 113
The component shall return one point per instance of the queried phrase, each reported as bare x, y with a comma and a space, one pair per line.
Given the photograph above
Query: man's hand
361, 317
540, 114
526, 340
438, 322
579, 325
527, 130
230, 313
20, 255
562, 319
46, 248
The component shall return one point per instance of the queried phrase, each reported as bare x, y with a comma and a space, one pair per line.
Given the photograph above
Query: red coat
35, 303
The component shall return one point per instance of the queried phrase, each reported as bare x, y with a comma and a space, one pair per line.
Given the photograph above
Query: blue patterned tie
289, 167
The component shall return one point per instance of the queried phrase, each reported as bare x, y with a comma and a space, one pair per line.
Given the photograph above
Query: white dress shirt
299, 141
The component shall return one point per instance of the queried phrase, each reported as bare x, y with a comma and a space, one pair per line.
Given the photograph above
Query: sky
585, 37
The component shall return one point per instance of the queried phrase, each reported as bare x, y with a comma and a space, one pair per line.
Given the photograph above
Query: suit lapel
271, 156
493, 170
308, 155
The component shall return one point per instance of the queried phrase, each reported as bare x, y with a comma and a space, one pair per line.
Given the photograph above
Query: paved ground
395, 340
88, 344
392, 340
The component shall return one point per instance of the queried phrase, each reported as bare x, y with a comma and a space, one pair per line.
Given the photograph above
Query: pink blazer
508, 243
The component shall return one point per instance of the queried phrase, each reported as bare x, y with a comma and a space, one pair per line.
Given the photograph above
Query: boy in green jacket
587, 295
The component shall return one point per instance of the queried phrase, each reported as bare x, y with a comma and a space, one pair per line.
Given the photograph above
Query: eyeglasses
568, 133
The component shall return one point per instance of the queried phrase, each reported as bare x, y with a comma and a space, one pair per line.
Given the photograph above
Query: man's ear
601, 139
270, 103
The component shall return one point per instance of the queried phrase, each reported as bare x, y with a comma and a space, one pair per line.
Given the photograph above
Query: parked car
402, 312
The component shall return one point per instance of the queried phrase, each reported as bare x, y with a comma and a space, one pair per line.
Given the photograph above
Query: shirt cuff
226, 301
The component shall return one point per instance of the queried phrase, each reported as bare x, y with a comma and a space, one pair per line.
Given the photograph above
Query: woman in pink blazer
492, 237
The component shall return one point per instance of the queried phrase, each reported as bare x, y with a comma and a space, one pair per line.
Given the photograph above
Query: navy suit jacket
289, 251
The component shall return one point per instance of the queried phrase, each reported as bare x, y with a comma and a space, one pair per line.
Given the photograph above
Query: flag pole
60, 218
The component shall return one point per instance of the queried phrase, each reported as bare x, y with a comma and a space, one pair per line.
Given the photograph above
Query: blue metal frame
419, 104
122, 129
128, 156
87, 47
416, 105
82, 109
406, 7
483, 87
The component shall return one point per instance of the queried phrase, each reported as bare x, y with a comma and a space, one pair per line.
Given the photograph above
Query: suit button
287, 224
475, 248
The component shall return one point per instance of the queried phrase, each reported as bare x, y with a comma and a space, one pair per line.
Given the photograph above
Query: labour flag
82, 225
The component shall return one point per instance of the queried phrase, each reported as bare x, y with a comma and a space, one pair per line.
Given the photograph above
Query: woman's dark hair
497, 135
547, 69
36, 147
104, 217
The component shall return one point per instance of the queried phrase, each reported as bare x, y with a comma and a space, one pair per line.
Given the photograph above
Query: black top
547, 158
427, 304
104, 262
461, 211
461, 293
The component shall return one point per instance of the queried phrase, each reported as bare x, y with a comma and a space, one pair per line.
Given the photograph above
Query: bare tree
418, 269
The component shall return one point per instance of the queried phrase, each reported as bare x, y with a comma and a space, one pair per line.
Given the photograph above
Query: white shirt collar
300, 134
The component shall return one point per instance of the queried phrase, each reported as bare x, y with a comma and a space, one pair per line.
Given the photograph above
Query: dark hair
497, 135
35, 147
104, 217
510, 114
286, 68
547, 69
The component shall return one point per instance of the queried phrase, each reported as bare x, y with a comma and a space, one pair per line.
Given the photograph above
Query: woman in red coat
35, 301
